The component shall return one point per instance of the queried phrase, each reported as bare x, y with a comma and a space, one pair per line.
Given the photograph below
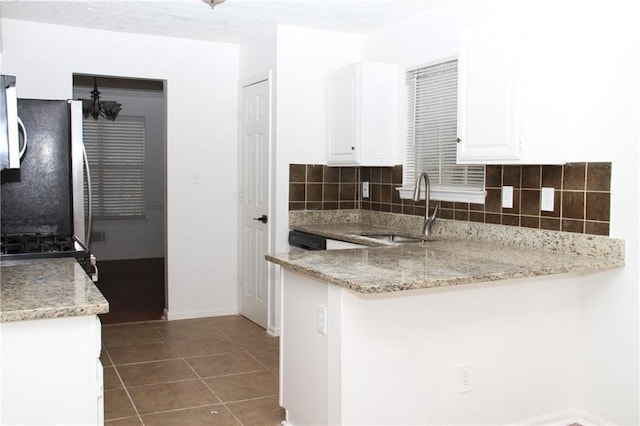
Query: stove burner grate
35, 243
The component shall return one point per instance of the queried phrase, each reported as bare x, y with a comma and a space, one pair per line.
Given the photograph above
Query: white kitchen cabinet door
344, 133
490, 95
362, 115
51, 372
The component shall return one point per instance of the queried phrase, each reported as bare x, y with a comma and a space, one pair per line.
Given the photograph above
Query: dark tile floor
208, 371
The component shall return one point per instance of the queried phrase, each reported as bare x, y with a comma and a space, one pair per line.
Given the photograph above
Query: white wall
518, 336
201, 90
139, 238
258, 56
593, 46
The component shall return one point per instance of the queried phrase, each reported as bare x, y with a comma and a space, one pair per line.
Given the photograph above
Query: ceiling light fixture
95, 108
213, 3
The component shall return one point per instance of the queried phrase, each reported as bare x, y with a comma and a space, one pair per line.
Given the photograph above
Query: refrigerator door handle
89, 197
12, 129
23, 130
81, 224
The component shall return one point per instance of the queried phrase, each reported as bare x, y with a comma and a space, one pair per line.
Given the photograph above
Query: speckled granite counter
47, 288
459, 253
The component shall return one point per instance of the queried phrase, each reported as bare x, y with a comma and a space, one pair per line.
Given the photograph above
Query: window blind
432, 132
116, 151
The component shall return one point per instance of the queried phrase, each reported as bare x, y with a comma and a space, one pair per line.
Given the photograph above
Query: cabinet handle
353, 148
458, 140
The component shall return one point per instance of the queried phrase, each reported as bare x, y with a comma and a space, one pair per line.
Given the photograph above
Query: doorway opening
128, 242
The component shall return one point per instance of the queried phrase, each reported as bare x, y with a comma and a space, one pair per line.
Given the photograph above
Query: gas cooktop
39, 245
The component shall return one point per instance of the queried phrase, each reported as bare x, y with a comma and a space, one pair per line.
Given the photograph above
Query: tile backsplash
581, 194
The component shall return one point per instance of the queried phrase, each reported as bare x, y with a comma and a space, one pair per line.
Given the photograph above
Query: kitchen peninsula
50, 333
382, 335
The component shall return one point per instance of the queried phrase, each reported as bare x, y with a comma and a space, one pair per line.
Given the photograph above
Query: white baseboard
565, 418
273, 331
173, 315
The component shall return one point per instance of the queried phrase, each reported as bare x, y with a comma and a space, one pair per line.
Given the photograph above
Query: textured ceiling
233, 21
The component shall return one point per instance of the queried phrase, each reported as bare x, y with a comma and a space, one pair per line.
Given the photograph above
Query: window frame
439, 192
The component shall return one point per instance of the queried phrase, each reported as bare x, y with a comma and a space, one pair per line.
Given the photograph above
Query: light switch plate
195, 177
321, 312
507, 197
546, 199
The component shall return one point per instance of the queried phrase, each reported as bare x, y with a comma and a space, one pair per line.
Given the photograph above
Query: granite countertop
451, 256
47, 288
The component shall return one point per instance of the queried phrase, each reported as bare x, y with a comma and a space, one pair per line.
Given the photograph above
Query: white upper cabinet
505, 97
362, 114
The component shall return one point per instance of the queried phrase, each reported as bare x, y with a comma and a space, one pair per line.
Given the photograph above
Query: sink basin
394, 238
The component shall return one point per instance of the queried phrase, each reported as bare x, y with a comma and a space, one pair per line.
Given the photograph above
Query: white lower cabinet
50, 372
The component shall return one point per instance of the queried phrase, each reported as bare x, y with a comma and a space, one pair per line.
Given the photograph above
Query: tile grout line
126, 390
223, 336
214, 393
200, 406
261, 363
584, 199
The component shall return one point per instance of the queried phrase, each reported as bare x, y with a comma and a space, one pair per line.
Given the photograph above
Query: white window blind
432, 133
116, 151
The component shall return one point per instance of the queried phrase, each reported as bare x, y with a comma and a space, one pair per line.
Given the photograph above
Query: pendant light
95, 108
213, 3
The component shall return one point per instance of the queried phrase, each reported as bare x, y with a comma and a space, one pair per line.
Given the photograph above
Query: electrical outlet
464, 378
547, 198
365, 189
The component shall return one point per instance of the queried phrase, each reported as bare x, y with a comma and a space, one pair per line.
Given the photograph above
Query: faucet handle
433, 216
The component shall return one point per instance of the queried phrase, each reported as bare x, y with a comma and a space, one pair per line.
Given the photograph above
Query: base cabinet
50, 372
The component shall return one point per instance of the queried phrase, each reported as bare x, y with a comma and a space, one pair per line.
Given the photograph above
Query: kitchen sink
395, 238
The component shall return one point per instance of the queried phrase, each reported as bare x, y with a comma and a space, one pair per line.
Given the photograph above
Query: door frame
273, 327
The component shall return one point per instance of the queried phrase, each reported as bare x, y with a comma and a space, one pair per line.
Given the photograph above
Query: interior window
432, 134
116, 151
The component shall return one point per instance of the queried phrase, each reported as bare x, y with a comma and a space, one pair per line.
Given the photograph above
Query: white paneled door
254, 202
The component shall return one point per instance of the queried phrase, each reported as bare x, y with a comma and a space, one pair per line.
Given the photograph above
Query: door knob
262, 218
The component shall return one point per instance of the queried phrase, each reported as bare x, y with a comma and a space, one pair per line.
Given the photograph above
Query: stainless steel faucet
428, 220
